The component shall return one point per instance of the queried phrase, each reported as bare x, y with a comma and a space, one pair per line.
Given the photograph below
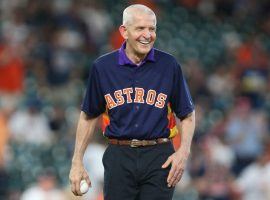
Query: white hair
128, 13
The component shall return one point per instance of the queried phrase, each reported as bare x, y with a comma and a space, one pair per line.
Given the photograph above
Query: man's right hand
76, 175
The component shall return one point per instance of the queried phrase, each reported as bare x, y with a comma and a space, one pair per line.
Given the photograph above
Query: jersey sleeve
93, 103
181, 100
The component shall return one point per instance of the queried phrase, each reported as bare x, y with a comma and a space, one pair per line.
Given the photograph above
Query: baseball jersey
137, 98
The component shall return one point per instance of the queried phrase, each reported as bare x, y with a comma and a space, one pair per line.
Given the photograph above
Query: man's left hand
178, 162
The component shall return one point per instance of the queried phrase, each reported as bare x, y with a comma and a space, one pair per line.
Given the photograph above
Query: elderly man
138, 86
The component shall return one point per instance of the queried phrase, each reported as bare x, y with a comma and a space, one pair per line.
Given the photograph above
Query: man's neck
137, 59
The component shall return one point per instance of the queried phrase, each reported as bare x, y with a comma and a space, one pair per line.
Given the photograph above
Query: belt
139, 143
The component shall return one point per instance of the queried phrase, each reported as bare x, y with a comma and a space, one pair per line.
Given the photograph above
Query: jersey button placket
136, 75
135, 83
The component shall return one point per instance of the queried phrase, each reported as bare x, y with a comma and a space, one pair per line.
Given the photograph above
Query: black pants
136, 173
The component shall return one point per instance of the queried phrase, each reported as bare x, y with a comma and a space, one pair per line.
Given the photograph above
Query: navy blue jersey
137, 98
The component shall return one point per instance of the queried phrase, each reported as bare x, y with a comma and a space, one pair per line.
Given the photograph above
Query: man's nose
147, 34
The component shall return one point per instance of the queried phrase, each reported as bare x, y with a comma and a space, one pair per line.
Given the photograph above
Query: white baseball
84, 187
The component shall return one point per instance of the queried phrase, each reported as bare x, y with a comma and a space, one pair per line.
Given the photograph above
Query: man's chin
144, 51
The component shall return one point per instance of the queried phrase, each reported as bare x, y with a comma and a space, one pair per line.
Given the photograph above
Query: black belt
139, 143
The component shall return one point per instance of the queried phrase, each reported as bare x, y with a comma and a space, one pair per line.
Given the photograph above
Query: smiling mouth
145, 42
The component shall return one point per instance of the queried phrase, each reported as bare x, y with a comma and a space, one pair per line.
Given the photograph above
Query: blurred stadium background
47, 47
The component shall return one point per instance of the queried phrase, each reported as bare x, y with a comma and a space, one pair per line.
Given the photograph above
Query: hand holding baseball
79, 179
84, 187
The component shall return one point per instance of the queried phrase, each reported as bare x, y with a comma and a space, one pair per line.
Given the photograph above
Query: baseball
84, 187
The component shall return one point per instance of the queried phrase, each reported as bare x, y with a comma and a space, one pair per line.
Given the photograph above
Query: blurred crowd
46, 50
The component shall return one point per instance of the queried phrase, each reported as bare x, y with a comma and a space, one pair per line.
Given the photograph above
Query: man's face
140, 34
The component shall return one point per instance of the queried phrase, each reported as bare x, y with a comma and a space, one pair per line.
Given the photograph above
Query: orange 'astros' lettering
127, 92
125, 96
151, 96
139, 93
110, 102
161, 100
119, 98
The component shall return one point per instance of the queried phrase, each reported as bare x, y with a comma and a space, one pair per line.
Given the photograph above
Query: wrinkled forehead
140, 17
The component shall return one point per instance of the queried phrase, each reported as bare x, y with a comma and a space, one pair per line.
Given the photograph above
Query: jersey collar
124, 60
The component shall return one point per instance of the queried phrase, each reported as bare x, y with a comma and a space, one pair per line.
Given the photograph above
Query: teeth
144, 42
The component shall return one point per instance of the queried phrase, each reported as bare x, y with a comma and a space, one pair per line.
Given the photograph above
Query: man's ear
123, 31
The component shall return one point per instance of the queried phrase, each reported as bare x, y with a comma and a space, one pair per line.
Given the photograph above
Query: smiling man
139, 30
138, 86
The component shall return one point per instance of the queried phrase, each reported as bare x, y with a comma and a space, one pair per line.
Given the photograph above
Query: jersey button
137, 107
136, 125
